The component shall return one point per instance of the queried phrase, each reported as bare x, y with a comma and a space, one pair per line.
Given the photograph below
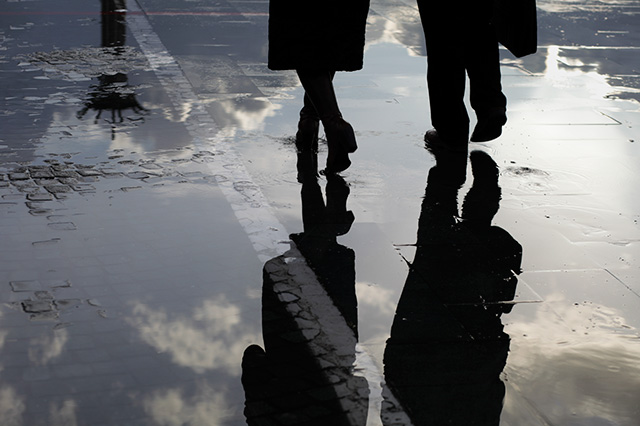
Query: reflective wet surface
167, 257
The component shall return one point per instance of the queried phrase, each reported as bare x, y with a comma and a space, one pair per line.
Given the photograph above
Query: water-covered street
167, 257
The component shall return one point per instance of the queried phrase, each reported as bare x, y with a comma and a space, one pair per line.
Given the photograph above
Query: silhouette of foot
434, 143
489, 126
341, 140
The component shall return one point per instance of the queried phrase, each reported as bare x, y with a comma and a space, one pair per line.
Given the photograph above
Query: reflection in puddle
447, 347
553, 367
213, 338
113, 91
581, 354
305, 374
12, 406
207, 406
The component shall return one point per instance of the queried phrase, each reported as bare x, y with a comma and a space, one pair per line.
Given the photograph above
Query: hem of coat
286, 67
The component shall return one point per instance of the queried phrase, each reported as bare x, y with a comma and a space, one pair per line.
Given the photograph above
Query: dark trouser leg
482, 61
446, 73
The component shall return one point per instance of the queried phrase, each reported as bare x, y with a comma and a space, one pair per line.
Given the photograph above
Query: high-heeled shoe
341, 132
341, 140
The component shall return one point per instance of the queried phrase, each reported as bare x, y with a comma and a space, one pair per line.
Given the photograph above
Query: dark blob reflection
288, 382
447, 346
113, 92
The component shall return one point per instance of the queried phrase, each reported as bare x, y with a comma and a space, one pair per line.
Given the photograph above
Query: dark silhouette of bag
516, 26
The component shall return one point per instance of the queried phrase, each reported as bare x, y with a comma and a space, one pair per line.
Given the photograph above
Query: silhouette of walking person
317, 41
460, 40
447, 346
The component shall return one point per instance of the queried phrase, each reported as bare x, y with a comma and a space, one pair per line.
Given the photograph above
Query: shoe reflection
447, 346
304, 374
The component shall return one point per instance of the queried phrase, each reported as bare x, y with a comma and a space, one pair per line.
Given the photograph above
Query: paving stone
46, 242
130, 188
13, 197
82, 187
34, 204
39, 212
63, 304
56, 189
89, 172
68, 180
25, 286
151, 166
37, 306
40, 196
43, 295
45, 181
45, 316
138, 175
29, 188
19, 176
65, 173
56, 283
63, 226
42, 174
111, 173
37, 168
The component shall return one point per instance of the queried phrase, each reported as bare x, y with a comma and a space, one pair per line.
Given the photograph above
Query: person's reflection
113, 92
447, 346
287, 382
334, 264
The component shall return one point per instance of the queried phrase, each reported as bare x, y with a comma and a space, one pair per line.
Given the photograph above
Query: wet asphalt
168, 258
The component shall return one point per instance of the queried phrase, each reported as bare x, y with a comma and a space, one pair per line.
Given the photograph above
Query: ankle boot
340, 132
341, 141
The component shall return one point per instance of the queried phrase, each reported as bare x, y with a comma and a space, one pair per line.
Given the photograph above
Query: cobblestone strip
268, 236
325, 331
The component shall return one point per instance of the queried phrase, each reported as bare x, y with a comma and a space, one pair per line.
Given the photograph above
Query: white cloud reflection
47, 347
64, 415
170, 407
214, 337
381, 299
579, 365
12, 407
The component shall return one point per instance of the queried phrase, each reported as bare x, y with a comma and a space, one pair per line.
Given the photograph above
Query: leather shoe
434, 143
489, 127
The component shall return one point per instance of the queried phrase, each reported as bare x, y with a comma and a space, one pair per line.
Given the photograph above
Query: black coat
327, 35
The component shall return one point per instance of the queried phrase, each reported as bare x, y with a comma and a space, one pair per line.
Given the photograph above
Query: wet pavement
167, 258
